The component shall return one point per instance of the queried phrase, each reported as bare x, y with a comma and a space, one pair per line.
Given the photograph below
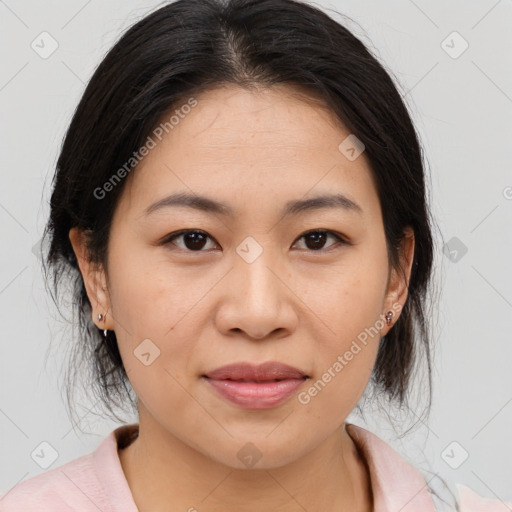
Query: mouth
256, 387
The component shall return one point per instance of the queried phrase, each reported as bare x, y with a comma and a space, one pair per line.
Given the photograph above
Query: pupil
318, 240
197, 239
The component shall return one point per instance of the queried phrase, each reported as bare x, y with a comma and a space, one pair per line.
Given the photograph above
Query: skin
253, 150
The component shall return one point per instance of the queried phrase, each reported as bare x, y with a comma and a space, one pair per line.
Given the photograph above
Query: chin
260, 452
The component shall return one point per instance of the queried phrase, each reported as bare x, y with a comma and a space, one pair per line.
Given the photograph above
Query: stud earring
389, 316
103, 318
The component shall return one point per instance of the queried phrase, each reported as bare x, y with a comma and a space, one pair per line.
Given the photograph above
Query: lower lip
256, 395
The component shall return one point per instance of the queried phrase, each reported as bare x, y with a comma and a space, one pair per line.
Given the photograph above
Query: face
248, 282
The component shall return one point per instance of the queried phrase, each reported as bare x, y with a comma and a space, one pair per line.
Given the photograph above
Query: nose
257, 300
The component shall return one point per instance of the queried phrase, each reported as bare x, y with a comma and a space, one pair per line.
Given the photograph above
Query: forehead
232, 119
236, 143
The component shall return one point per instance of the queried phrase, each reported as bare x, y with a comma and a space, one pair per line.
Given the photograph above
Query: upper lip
263, 372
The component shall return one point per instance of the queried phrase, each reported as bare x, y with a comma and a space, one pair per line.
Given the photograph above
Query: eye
317, 238
195, 240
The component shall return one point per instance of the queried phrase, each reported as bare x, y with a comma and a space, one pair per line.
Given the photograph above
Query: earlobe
93, 276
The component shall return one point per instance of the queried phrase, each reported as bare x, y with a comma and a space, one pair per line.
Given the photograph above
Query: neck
165, 473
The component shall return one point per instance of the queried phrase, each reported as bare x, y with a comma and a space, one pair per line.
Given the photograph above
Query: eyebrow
293, 207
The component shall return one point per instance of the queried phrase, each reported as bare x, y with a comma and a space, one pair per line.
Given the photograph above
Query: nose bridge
261, 288
257, 301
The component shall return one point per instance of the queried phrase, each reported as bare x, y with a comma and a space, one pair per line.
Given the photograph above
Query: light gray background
463, 109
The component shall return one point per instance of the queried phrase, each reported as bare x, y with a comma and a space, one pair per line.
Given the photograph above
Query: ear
398, 282
94, 280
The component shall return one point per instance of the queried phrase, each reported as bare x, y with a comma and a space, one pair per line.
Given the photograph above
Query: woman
240, 203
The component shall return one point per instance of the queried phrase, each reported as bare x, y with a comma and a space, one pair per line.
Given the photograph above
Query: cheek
349, 297
345, 354
154, 334
147, 296
349, 305
150, 313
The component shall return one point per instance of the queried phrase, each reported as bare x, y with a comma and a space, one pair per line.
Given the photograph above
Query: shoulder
398, 485
62, 488
88, 483
470, 501
451, 496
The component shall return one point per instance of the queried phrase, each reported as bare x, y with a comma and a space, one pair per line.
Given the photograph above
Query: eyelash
339, 238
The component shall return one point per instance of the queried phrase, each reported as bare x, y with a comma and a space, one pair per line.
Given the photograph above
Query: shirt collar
396, 485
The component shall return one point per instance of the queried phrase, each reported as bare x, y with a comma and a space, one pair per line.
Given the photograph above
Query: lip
256, 386
270, 370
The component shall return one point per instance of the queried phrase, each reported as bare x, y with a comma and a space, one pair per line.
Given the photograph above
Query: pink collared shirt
96, 481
